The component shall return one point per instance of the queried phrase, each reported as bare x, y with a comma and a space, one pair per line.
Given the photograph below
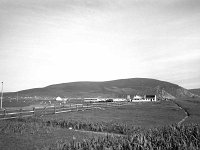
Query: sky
44, 42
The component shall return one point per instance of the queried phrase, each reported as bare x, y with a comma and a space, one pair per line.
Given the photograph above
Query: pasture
191, 105
144, 115
30, 135
36, 134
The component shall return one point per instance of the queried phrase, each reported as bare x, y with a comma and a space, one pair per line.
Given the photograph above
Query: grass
169, 137
143, 125
33, 133
137, 114
192, 106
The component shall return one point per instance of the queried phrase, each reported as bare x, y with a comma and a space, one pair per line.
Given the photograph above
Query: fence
40, 111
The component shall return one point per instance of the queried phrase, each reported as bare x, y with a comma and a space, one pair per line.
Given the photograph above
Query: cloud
151, 36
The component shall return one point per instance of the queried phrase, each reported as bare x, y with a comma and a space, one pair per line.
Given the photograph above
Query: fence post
45, 110
54, 110
4, 112
76, 107
33, 111
20, 114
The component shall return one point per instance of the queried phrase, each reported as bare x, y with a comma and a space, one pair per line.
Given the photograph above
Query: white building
63, 100
59, 99
137, 97
146, 98
119, 100
92, 100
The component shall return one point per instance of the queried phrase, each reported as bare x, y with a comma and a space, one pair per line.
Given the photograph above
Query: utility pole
1, 94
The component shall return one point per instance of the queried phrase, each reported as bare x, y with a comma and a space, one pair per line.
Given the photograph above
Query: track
185, 111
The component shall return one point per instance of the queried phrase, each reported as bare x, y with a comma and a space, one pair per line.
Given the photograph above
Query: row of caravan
136, 98
104, 99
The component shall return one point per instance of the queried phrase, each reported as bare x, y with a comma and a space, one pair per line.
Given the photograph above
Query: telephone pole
1, 94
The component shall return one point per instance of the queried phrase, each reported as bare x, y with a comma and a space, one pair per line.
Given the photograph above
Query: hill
114, 88
195, 91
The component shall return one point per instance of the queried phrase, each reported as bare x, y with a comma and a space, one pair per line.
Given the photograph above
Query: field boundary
50, 110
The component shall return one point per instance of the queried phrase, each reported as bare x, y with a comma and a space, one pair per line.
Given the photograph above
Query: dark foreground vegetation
168, 137
171, 137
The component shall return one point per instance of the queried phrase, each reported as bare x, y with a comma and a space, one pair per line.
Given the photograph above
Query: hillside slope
115, 88
195, 91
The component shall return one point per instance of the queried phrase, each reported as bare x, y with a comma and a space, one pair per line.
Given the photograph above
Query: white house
146, 98
137, 97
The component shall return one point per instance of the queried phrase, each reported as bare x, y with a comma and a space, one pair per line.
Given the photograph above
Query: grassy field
193, 108
52, 131
136, 114
20, 135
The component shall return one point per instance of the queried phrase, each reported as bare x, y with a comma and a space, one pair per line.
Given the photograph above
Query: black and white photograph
99, 74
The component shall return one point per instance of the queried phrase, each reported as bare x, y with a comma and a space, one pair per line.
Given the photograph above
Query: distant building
137, 97
59, 99
146, 98
150, 97
119, 99
128, 97
92, 100
109, 100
